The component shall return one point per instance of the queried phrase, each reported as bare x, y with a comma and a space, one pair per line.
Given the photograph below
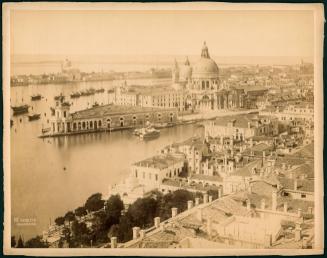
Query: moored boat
33, 117
46, 130
59, 97
149, 133
101, 90
36, 97
17, 110
75, 95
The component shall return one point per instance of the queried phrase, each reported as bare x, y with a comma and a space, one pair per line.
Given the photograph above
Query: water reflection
51, 176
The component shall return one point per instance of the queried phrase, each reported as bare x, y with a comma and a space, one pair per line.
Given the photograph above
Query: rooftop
113, 110
159, 161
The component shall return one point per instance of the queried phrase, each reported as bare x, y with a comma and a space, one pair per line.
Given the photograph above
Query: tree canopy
94, 202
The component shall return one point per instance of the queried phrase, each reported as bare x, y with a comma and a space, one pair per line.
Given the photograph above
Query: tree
69, 216
13, 241
125, 229
80, 211
20, 243
114, 230
143, 210
113, 209
81, 233
213, 193
60, 221
177, 199
94, 202
36, 242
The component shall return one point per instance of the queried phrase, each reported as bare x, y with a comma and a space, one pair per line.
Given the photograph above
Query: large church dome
205, 67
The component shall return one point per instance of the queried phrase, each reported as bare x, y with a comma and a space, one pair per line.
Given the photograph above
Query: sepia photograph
163, 129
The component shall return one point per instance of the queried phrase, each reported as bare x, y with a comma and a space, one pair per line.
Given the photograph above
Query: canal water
52, 176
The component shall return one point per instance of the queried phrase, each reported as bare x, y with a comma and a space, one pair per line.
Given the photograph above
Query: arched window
83, 125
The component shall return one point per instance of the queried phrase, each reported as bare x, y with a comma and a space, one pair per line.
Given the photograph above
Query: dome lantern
205, 51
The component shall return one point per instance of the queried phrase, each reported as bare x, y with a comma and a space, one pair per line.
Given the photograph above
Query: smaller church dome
206, 66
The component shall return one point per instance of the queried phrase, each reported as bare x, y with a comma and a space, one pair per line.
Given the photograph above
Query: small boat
59, 97
17, 110
33, 117
160, 125
149, 133
137, 132
75, 95
101, 90
36, 97
96, 104
46, 130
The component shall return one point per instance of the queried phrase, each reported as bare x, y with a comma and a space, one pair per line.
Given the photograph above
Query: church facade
201, 85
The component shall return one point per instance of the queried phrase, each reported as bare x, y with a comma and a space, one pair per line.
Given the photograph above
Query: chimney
189, 204
263, 204
267, 241
274, 200
210, 198
250, 189
283, 166
173, 212
220, 193
199, 215
310, 210
299, 212
136, 232
197, 201
248, 205
295, 185
157, 222
113, 242
142, 233
285, 207
209, 226
205, 198
298, 233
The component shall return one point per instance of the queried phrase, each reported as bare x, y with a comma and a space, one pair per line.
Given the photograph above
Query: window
303, 196
65, 113
135, 173
156, 177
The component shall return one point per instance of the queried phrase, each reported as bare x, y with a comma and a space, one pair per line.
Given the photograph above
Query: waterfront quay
105, 118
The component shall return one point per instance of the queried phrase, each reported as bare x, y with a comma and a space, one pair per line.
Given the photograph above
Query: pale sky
227, 33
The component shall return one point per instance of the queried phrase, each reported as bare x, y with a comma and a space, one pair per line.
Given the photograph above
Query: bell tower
175, 72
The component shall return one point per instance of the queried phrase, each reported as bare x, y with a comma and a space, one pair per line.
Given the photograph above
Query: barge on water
33, 117
18, 110
36, 97
105, 118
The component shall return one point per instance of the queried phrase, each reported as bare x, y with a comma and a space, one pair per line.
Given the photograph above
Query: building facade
106, 118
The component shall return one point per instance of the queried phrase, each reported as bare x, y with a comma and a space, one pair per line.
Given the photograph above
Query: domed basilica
202, 87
